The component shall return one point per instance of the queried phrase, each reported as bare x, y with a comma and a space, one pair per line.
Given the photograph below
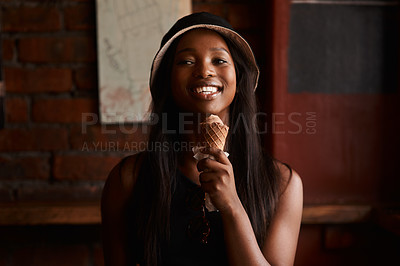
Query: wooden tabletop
34, 213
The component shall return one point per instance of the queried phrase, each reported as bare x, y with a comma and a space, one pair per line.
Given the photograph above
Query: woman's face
203, 74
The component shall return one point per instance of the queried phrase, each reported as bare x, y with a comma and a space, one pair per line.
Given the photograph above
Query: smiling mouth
206, 90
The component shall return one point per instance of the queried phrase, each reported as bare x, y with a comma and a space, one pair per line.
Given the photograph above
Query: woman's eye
220, 61
185, 62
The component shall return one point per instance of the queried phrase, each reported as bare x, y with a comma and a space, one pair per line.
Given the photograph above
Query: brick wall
47, 153
49, 66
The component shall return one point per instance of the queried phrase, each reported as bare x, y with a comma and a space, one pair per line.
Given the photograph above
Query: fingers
214, 173
205, 177
215, 180
211, 170
206, 165
218, 154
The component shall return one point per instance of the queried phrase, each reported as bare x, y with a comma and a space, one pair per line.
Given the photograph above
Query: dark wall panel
343, 49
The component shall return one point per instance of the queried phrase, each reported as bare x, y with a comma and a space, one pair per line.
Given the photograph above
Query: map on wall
128, 36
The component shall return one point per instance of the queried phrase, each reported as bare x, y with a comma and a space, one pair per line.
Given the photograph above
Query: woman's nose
204, 70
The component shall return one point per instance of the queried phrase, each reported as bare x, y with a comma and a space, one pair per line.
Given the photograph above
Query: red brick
245, 16
83, 167
57, 50
216, 9
86, 78
98, 256
8, 49
60, 192
33, 139
108, 138
56, 110
24, 19
24, 167
16, 110
38, 80
80, 17
60, 255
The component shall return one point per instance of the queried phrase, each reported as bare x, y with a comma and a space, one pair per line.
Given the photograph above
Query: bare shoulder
117, 192
119, 185
129, 171
291, 180
122, 177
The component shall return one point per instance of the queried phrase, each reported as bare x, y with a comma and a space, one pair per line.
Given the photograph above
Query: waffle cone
214, 132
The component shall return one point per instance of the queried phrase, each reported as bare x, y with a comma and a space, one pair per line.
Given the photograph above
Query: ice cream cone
214, 132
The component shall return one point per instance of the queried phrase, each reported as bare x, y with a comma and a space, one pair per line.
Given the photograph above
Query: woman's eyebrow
186, 50
193, 50
219, 49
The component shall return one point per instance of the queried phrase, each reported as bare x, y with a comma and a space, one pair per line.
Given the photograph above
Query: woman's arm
241, 243
280, 245
116, 192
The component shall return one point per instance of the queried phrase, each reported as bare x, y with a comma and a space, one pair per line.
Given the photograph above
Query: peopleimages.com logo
293, 123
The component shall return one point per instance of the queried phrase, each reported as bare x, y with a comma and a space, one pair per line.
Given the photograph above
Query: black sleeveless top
184, 250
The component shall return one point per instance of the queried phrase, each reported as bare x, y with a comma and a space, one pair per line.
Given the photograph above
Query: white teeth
206, 90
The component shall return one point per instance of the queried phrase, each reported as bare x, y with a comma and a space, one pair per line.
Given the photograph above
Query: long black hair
257, 179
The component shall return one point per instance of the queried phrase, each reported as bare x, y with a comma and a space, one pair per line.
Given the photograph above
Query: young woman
153, 206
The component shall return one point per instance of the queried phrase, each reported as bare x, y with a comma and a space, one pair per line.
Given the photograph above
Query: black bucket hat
206, 20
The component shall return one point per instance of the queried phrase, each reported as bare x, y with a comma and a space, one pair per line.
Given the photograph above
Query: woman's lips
206, 92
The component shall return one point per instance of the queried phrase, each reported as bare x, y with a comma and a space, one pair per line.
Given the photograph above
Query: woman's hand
217, 179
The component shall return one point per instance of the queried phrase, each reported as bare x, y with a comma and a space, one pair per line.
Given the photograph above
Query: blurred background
329, 93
